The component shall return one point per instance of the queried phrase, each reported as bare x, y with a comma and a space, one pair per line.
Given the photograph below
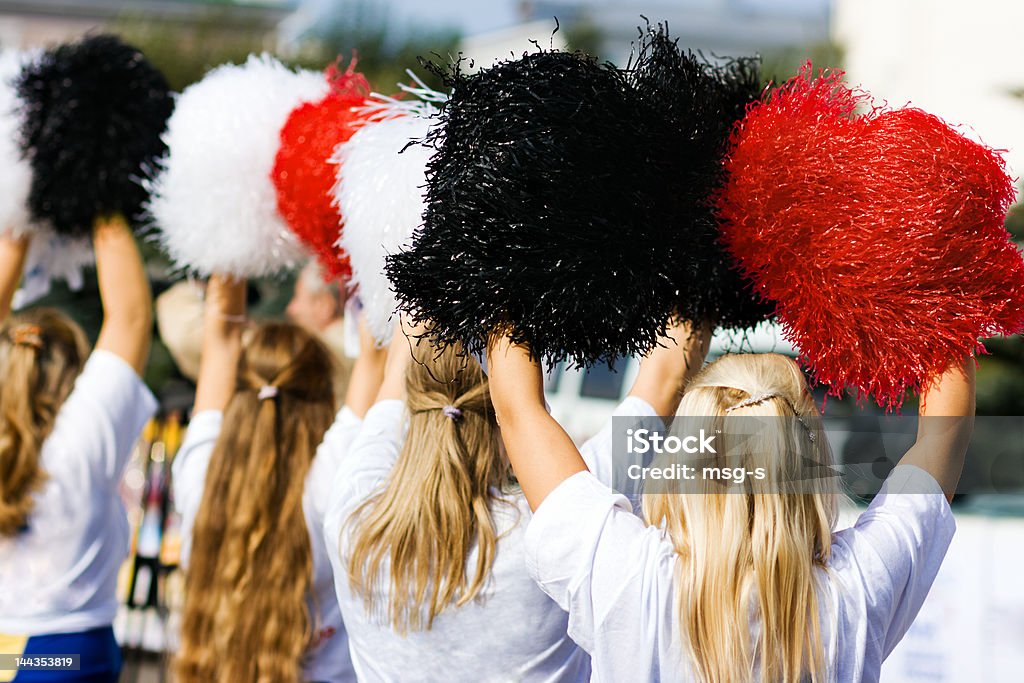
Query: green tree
781, 64
584, 35
186, 49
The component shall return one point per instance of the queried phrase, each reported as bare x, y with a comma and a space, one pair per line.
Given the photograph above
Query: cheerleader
250, 481
425, 531
750, 584
68, 421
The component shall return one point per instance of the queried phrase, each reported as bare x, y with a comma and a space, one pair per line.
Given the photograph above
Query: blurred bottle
170, 548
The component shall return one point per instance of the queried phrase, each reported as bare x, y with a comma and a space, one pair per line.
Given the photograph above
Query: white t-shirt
512, 632
60, 576
615, 574
327, 659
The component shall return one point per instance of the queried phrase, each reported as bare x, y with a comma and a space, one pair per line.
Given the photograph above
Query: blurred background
957, 59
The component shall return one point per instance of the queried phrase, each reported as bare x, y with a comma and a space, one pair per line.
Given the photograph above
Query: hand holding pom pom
879, 235
93, 113
692, 106
538, 215
50, 256
15, 171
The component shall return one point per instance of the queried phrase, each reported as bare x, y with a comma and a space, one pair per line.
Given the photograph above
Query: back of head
436, 504
42, 351
752, 538
246, 616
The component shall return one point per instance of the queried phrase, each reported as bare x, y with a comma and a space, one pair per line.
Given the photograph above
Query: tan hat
179, 320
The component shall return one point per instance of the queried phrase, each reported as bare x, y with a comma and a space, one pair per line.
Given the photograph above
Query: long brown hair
759, 550
246, 616
435, 506
42, 352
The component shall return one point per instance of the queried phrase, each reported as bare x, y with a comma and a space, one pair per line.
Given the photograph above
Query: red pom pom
304, 177
878, 236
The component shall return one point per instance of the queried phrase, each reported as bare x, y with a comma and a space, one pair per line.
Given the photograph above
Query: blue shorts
98, 651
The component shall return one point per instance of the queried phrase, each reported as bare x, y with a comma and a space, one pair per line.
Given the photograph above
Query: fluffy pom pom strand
53, 257
381, 181
303, 175
538, 216
93, 114
879, 236
213, 199
15, 171
691, 107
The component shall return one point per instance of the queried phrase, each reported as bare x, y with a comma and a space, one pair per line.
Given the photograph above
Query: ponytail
754, 550
246, 615
41, 354
435, 506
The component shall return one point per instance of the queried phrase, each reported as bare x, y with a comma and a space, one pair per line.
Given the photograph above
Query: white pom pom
214, 200
380, 197
15, 172
52, 257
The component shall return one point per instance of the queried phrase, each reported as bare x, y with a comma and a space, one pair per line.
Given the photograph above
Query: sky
478, 16
468, 16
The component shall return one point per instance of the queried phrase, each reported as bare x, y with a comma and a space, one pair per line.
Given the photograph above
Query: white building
958, 60
484, 49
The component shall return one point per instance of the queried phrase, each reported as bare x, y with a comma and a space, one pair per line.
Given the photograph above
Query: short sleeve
369, 460
583, 547
893, 553
598, 451
103, 416
188, 471
374, 451
331, 452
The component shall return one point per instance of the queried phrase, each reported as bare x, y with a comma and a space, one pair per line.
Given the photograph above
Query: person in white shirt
248, 481
750, 584
425, 531
68, 422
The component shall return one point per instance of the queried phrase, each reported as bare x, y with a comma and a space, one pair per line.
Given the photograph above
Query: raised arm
367, 372
665, 371
944, 429
12, 262
223, 322
404, 343
541, 453
124, 289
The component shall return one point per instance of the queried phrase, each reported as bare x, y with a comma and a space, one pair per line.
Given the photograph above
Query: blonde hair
762, 542
246, 616
42, 352
435, 506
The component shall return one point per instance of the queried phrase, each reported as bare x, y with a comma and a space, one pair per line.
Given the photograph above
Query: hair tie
28, 335
452, 413
266, 391
760, 398
752, 401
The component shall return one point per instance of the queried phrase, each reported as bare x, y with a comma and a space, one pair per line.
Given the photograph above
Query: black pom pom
93, 114
692, 106
539, 218
569, 203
